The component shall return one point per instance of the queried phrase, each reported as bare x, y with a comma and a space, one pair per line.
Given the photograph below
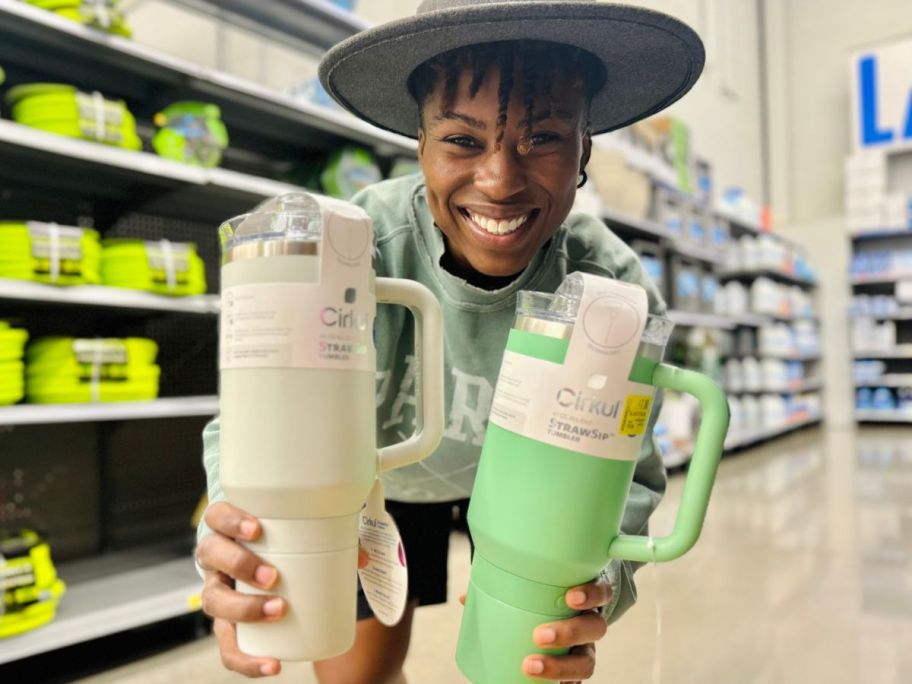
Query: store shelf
110, 601
811, 356
740, 441
903, 351
883, 416
158, 185
97, 295
810, 385
758, 320
700, 320
314, 24
744, 223
888, 380
699, 252
640, 225
880, 279
874, 235
752, 274
33, 414
53, 45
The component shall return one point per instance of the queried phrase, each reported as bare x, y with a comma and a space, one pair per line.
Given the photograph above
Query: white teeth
498, 227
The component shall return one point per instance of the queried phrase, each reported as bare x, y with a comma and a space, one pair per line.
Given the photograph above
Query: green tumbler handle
700, 474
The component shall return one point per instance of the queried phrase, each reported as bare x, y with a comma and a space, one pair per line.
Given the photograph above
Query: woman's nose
501, 174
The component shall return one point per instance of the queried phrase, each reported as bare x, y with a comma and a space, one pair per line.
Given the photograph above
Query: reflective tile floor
803, 574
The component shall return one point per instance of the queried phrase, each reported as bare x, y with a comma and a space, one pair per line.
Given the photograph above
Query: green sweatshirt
476, 324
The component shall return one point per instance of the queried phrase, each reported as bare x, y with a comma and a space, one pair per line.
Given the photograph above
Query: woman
503, 98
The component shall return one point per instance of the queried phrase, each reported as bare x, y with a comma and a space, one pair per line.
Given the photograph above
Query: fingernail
577, 597
265, 575
546, 635
272, 607
535, 666
267, 669
248, 528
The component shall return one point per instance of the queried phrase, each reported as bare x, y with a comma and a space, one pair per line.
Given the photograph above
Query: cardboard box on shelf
620, 187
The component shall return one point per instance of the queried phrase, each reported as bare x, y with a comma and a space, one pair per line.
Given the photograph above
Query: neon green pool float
192, 133
168, 268
12, 342
64, 110
101, 14
62, 370
28, 579
12, 370
48, 253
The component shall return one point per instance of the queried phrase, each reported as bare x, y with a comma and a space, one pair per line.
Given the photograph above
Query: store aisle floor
803, 574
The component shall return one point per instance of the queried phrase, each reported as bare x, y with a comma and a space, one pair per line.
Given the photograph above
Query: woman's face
497, 204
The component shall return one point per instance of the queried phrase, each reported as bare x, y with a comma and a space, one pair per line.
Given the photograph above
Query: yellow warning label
194, 601
636, 413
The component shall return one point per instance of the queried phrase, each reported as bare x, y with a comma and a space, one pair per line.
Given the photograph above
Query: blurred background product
163, 267
28, 579
12, 377
105, 15
49, 253
191, 132
61, 370
64, 110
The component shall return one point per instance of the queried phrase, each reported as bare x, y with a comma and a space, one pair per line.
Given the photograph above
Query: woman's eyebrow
559, 113
465, 118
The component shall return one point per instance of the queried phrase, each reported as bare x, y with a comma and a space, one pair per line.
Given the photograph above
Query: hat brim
651, 59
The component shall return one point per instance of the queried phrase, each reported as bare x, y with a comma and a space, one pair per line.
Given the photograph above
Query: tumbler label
587, 403
327, 324
384, 579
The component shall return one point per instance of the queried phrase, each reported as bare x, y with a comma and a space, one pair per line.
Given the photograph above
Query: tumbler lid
292, 221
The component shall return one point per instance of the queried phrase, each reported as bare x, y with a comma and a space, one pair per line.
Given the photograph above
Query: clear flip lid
554, 315
294, 217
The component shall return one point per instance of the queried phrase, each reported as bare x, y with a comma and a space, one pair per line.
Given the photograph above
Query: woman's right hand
224, 561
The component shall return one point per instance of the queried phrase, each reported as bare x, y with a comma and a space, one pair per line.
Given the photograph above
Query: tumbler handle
429, 352
701, 472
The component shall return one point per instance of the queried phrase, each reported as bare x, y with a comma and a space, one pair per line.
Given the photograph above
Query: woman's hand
224, 561
579, 634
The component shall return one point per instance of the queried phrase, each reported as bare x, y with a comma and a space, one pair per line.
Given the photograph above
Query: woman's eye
543, 138
461, 141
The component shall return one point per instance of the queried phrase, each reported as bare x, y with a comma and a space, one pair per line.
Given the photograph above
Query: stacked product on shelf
765, 252
348, 170
192, 133
12, 378
101, 14
48, 253
62, 370
28, 579
881, 264
162, 267
64, 110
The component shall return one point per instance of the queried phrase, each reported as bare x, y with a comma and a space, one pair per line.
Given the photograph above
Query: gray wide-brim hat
651, 59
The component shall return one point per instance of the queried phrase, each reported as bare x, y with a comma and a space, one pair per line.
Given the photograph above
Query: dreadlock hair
541, 64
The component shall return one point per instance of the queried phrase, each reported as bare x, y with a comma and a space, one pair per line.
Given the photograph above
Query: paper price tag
385, 577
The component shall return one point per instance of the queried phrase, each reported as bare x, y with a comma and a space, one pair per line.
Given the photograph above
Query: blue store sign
882, 96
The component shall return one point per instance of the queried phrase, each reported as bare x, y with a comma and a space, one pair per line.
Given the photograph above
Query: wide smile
501, 226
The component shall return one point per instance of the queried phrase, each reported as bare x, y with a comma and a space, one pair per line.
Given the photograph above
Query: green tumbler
544, 517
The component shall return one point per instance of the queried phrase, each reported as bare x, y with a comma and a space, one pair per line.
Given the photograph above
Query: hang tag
385, 577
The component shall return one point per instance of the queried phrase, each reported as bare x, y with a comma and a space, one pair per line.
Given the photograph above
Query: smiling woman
504, 138
503, 98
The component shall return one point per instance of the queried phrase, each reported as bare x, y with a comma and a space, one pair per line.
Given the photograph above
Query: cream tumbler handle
429, 352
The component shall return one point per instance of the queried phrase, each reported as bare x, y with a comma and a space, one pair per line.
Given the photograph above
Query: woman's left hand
579, 634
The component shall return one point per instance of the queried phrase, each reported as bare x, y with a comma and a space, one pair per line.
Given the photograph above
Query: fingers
231, 521
218, 553
588, 596
363, 557
220, 601
462, 599
582, 629
233, 659
577, 665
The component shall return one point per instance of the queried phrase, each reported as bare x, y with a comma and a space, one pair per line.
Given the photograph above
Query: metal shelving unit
174, 407
111, 594
876, 416
109, 297
741, 441
310, 25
